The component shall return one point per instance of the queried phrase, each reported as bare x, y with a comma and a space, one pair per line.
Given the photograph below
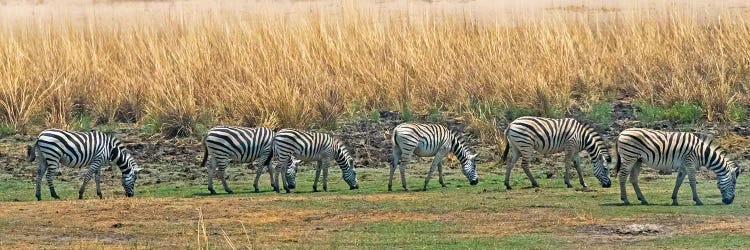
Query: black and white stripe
425, 140
56, 147
673, 151
223, 144
547, 136
290, 144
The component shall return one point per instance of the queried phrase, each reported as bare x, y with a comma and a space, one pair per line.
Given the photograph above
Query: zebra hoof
212, 192
80, 196
229, 191
674, 203
315, 190
257, 190
100, 195
644, 202
699, 203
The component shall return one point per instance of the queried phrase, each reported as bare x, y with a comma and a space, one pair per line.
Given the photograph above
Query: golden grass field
308, 63
177, 67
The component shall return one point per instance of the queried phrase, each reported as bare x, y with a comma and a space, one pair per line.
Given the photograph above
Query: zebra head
128, 179
127, 165
727, 184
291, 173
601, 170
350, 174
469, 169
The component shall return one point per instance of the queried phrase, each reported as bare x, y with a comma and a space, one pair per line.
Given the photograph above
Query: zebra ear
137, 169
295, 161
472, 156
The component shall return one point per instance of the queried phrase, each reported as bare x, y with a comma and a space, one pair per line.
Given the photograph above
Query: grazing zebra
547, 136
290, 144
56, 147
427, 140
223, 144
673, 151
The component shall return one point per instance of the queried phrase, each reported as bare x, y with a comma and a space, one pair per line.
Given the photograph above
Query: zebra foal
673, 151
291, 144
547, 136
427, 140
55, 147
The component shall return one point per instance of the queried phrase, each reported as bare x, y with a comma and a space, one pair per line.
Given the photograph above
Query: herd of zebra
682, 152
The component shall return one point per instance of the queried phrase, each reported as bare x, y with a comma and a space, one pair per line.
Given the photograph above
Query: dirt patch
623, 230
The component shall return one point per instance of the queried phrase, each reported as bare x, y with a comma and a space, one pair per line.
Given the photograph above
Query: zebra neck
459, 151
713, 160
589, 143
342, 156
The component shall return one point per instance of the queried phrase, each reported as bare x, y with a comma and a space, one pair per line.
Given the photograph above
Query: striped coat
289, 144
527, 135
223, 144
425, 140
55, 147
682, 152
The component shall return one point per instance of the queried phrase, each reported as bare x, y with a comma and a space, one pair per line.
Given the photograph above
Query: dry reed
268, 69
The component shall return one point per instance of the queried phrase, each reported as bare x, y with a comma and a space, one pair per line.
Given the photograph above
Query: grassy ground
182, 215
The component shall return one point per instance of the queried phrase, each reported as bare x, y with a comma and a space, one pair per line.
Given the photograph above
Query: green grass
601, 114
683, 113
459, 216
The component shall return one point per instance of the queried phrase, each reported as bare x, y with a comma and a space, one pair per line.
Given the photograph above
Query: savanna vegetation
123, 67
183, 72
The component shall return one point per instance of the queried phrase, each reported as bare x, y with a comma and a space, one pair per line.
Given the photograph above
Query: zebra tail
31, 152
617, 166
205, 153
507, 149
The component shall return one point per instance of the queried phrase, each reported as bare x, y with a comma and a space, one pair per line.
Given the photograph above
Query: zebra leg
325, 176
274, 185
402, 170
41, 170
435, 161
514, 156
51, 173
317, 176
98, 180
623, 176
677, 184
634, 181
394, 164
211, 167
567, 171
275, 177
577, 165
222, 175
691, 177
283, 168
86, 178
440, 173
525, 165
258, 173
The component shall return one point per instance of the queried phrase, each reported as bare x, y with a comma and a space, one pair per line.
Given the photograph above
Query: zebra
425, 140
223, 144
547, 136
289, 144
56, 147
673, 151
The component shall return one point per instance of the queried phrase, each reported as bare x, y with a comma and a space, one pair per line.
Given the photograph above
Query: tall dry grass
268, 69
